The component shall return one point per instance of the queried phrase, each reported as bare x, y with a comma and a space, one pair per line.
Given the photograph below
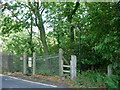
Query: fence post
25, 63
60, 62
1, 59
73, 72
34, 63
10, 62
109, 70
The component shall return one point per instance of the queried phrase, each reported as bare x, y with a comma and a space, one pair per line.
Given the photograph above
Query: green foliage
99, 35
112, 81
9, 26
95, 79
94, 23
91, 79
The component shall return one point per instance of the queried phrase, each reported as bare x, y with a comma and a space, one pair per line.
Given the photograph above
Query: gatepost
73, 69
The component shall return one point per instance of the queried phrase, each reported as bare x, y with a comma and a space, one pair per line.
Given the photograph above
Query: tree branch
42, 10
73, 11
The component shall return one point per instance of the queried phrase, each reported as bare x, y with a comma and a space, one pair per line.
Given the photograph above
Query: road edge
54, 86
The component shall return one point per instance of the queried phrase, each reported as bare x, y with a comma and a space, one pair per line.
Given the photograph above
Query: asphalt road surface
12, 82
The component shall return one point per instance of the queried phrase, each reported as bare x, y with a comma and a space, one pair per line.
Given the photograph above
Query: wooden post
24, 63
73, 72
10, 63
34, 63
109, 70
1, 62
1, 71
60, 62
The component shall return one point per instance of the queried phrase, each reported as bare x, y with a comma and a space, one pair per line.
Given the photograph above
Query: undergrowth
97, 80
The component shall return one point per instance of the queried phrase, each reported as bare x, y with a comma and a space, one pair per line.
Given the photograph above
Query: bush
96, 80
111, 81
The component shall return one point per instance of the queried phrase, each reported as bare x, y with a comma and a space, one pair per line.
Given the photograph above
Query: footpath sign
29, 61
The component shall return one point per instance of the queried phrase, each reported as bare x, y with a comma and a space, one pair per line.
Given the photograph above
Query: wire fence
47, 65
17, 64
10, 63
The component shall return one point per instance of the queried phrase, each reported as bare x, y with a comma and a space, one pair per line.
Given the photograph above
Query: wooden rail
66, 71
66, 66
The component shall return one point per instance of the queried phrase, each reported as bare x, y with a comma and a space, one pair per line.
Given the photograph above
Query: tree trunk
40, 25
42, 32
31, 32
70, 17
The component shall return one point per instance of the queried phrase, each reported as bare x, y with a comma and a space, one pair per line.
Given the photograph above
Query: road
12, 82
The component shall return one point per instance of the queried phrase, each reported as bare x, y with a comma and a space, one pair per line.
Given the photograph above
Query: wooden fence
9, 62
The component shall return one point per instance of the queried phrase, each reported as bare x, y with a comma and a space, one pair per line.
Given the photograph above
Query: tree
31, 8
